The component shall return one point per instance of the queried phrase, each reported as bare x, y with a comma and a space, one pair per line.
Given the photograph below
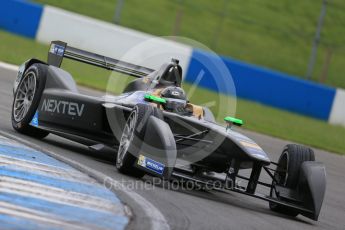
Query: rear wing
59, 50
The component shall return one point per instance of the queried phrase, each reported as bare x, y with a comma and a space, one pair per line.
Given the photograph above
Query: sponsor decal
260, 155
63, 107
56, 49
20, 72
141, 160
19, 77
254, 149
175, 93
151, 164
34, 121
250, 145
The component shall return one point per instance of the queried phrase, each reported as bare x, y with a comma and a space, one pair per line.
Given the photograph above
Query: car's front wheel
287, 173
134, 133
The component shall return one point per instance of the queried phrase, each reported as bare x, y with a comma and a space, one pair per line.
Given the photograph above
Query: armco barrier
267, 86
46, 23
20, 17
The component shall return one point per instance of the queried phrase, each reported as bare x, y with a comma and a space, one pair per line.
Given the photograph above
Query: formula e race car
153, 129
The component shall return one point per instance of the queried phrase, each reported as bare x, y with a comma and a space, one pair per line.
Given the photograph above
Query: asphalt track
195, 209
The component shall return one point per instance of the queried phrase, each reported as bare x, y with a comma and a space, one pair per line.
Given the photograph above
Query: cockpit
165, 85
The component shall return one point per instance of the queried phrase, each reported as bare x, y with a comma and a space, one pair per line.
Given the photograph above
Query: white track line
37, 164
31, 164
57, 195
157, 219
42, 217
14, 163
8, 66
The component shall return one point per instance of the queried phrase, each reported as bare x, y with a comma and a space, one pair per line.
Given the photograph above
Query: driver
176, 99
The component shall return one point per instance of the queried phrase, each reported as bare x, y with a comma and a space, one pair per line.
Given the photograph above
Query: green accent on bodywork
153, 98
233, 120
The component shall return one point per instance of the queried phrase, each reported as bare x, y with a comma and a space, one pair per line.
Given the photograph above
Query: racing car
154, 129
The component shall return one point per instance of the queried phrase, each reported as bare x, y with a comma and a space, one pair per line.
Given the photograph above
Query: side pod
312, 186
160, 146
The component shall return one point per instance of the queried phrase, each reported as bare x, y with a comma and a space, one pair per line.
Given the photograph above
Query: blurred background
275, 34
298, 41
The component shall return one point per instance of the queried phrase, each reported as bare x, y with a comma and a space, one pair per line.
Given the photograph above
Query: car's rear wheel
134, 129
26, 100
287, 173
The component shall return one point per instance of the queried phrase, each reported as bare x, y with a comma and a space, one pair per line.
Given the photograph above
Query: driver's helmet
176, 100
174, 93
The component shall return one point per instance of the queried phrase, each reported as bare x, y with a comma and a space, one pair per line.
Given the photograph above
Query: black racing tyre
26, 100
134, 131
287, 173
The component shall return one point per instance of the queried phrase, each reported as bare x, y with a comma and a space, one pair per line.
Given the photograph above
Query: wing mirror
233, 121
